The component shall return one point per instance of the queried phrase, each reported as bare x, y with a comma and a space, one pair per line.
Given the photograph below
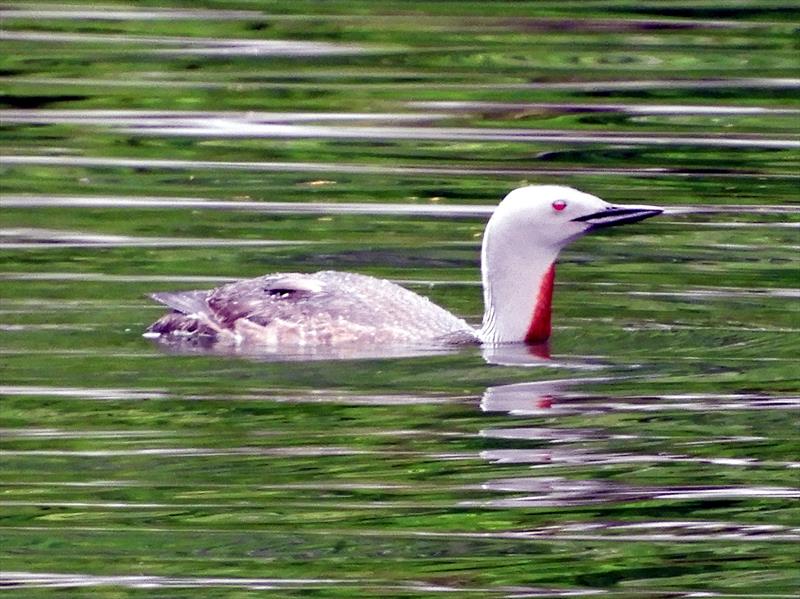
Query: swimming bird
521, 243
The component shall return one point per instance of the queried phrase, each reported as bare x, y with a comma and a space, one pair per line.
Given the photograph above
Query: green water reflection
655, 453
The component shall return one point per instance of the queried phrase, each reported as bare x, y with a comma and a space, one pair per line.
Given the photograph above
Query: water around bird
653, 453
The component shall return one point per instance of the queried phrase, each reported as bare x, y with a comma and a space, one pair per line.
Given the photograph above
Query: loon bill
329, 309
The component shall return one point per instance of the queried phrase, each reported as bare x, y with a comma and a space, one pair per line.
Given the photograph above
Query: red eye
559, 205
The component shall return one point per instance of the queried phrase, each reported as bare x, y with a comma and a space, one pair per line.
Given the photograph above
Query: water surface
650, 450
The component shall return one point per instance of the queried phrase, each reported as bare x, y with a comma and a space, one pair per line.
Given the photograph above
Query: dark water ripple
318, 167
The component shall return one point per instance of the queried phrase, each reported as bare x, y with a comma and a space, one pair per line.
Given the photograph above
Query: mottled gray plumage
300, 310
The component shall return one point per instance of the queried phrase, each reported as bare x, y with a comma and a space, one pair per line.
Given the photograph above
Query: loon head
520, 246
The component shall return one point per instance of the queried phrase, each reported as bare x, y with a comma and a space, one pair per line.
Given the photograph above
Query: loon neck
518, 294
539, 327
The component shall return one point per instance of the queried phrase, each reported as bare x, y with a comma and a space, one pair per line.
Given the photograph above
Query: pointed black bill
618, 215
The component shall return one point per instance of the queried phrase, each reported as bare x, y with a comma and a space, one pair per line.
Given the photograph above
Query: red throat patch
539, 329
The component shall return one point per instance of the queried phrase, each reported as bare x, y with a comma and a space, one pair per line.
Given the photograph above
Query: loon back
326, 308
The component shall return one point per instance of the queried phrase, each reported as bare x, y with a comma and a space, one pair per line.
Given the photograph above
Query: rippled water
651, 450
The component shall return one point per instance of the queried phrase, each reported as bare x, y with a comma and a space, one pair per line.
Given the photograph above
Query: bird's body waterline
333, 309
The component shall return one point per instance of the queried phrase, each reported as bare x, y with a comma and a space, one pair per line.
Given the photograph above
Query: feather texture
324, 308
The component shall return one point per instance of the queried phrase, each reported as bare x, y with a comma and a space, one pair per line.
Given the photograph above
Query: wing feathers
185, 302
289, 284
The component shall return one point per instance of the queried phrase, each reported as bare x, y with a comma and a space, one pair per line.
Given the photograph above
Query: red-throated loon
333, 309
